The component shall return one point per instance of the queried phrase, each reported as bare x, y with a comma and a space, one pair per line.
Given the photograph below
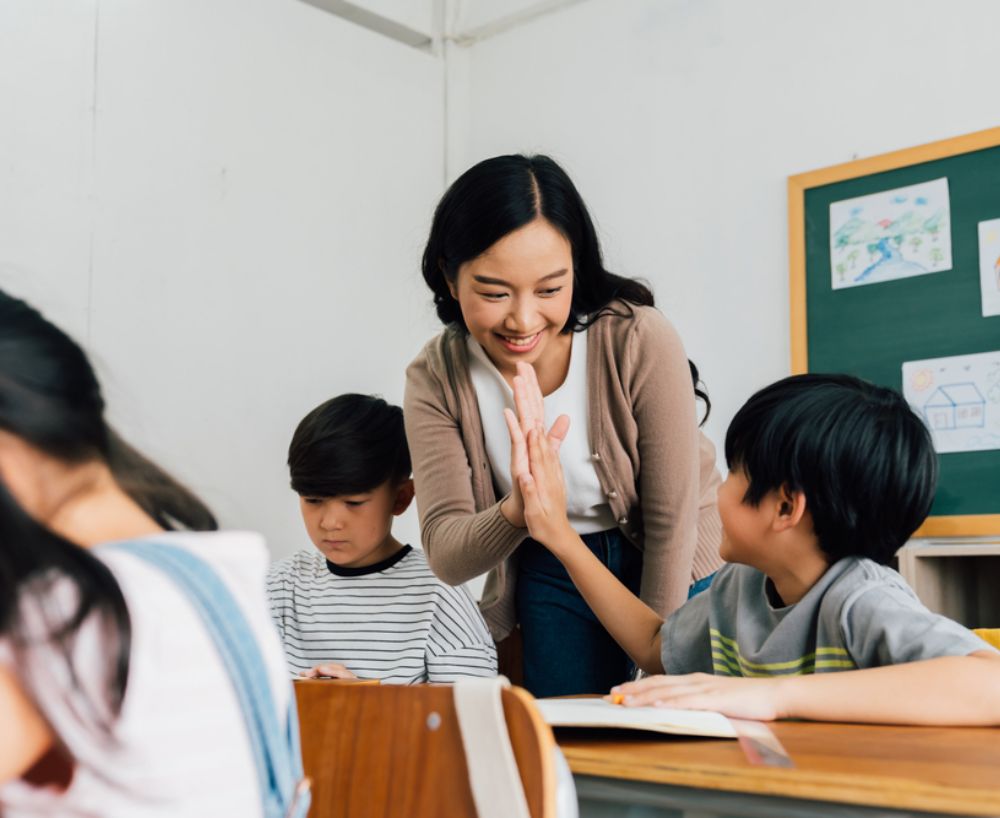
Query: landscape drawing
958, 399
989, 266
894, 234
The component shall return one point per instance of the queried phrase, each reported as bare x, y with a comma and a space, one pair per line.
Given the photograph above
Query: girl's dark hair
50, 399
503, 194
348, 445
863, 459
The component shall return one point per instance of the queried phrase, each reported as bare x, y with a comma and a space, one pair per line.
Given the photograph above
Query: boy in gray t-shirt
829, 476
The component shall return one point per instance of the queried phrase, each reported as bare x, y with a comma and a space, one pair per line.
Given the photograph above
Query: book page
600, 713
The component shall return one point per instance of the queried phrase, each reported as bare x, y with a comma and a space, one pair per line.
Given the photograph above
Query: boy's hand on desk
740, 698
330, 671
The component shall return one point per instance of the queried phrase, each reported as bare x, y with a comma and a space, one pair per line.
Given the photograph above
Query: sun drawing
922, 380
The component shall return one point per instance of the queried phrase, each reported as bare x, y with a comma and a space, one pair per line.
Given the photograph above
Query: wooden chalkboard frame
798, 185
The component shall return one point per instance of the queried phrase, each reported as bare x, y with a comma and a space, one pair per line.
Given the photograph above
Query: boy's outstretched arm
949, 690
632, 624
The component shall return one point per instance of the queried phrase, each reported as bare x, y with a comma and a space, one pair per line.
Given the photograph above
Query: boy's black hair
348, 445
863, 459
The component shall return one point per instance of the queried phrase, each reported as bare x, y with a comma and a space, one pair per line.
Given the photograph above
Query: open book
600, 713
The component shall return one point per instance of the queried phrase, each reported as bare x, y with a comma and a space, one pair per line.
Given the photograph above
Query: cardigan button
612, 494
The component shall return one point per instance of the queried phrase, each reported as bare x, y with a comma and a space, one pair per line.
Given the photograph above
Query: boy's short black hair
861, 456
348, 445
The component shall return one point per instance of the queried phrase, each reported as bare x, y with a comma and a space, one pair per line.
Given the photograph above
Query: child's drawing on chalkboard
904, 232
989, 266
958, 398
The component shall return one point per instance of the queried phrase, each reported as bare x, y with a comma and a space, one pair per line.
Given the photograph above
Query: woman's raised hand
530, 416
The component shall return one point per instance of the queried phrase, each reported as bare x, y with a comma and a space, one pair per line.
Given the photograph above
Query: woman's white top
180, 747
586, 501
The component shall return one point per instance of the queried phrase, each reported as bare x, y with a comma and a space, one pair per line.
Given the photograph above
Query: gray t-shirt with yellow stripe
860, 614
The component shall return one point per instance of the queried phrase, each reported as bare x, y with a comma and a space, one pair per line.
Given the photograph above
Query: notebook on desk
601, 713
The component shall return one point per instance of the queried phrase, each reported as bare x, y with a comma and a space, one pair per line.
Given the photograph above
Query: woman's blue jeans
566, 649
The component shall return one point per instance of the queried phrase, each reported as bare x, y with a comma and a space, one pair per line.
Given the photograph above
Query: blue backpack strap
276, 752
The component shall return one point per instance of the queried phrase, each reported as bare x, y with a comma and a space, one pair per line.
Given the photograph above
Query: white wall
483, 17
226, 201
680, 121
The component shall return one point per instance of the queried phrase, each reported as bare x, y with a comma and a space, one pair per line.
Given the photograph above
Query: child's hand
530, 415
740, 698
544, 494
328, 671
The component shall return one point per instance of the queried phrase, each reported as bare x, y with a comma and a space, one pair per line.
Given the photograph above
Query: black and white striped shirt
393, 621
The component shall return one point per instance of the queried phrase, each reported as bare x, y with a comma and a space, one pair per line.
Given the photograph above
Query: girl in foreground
114, 698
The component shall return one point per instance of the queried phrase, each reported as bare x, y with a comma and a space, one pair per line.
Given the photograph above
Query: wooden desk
840, 770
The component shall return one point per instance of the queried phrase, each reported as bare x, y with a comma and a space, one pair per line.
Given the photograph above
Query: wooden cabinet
959, 578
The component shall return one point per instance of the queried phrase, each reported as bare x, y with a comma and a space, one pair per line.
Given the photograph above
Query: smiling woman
515, 266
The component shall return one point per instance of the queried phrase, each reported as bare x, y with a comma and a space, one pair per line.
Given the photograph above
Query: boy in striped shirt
361, 604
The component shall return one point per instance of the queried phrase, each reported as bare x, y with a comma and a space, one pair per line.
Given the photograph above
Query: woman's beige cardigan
657, 469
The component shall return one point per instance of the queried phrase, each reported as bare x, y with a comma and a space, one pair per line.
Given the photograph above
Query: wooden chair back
386, 750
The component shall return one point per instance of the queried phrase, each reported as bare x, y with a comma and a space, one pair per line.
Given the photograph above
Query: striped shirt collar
374, 568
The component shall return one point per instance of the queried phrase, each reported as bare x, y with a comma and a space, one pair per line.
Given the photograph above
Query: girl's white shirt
180, 746
586, 501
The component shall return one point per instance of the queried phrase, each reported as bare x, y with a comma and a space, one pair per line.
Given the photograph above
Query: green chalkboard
871, 330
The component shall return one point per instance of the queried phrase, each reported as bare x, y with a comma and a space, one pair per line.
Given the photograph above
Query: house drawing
955, 406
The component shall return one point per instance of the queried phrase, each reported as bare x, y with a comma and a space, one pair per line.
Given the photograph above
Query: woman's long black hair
503, 194
50, 399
